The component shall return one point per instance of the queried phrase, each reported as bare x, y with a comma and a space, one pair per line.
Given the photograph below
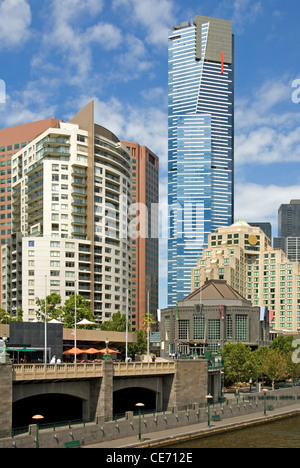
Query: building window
229, 327
214, 330
241, 328
167, 328
183, 329
199, 328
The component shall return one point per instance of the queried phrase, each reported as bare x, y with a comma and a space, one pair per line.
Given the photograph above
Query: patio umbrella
72, 351
26, 350
86, 322
110, 351
54, 321
92, 351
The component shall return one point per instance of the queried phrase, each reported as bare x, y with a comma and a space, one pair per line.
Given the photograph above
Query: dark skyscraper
289, 230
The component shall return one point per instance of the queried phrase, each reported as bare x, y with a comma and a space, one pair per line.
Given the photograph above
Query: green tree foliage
238, 362
83, 312
274, 364
116, 323
6, 317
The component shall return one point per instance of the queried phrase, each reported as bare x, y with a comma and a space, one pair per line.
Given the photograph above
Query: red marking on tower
222, 62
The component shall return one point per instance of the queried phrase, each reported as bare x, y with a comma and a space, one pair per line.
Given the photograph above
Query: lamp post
37, 417
265, 391
140, 406
107, 356
209, 398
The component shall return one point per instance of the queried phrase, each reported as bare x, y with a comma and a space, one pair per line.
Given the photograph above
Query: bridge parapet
29, 372
39, 372
127, 369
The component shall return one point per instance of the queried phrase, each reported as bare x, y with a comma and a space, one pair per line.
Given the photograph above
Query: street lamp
107, 356
37, 417
209, 399
140, 406
265, 401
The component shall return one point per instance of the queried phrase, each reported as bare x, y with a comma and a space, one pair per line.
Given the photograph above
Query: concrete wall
5, 400
189, 384
114, 430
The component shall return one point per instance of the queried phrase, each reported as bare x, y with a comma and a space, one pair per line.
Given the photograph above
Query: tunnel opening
55, 408
126, 399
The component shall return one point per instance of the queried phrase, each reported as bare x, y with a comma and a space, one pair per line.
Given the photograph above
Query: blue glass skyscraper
201, 143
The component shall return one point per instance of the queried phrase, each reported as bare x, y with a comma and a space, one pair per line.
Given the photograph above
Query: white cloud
15, 23
30, 104
241, 12
267, 131
261, 203
156, 16
71, 38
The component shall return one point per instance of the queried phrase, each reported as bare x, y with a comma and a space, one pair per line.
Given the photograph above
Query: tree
274, 366
82, 308
283, 344
293, 368
141, 346
53, 307
148, 319
238, 362
6, 317
116, 323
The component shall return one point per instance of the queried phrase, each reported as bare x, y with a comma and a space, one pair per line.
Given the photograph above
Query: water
279, 434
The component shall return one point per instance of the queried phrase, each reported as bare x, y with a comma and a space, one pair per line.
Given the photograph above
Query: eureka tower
201, 143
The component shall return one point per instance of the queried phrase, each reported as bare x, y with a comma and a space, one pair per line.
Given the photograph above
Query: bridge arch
59, 396
128, 392
53, 407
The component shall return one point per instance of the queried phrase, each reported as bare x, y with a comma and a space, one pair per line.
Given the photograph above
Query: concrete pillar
6, 400
105, 401
189, 384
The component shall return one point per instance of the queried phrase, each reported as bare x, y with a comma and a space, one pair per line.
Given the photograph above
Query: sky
58, 55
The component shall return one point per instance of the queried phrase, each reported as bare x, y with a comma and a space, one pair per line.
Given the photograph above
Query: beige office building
244, 257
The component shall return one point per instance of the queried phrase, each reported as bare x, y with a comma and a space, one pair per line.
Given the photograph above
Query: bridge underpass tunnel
126, 399
54, 407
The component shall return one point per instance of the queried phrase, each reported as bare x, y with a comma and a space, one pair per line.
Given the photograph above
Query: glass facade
200, 150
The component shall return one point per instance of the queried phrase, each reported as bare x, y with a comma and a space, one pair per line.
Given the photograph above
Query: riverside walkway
170, 437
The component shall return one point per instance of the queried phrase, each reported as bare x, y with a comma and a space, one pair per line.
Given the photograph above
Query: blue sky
57, 55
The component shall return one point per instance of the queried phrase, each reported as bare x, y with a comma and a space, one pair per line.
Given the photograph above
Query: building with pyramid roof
209, 318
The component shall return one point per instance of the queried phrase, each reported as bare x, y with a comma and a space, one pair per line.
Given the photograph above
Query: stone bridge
100, 388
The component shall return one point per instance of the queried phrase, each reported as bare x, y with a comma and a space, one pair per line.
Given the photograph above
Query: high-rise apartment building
243, 256
145, 243
201, 146
11, 141
289, 230
71, 190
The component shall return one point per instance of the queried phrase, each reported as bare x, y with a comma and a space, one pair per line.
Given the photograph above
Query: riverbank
171, 437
